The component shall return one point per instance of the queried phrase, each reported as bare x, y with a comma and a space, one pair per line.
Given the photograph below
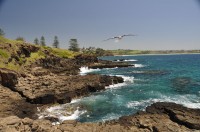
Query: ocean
152, 78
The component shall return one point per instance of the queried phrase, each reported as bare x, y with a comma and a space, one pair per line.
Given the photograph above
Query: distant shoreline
129, 52
158, 54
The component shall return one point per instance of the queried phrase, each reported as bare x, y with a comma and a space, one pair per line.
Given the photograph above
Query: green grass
63, 53
34, 56
4, 53
10, 47
4, 40
126, 52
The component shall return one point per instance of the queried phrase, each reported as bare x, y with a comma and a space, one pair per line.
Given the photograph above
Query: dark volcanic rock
109, 64
8, 78
13, 104
58, 65
86, 59
26, 49
61, 89
177, 113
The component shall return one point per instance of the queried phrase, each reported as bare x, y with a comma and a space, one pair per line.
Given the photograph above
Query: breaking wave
85, 70
190, 101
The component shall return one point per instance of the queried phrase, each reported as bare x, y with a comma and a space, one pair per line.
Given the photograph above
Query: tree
36, 41
56, 42
1, 32
100, 52
73, 45
20, 39
42, 41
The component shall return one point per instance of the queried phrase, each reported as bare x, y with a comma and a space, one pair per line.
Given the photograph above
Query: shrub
4, 54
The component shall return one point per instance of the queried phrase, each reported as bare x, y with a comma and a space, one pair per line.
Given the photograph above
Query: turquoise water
169, 78
154, 78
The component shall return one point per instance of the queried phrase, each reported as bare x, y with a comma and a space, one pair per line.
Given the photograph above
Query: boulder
8, 78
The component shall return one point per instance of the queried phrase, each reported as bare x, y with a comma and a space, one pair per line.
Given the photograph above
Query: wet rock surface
156, 118
109, 64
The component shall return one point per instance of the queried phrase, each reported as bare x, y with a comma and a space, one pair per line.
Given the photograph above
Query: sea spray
127, 80
131, 60
84, 70
138, 65
179, 99
64, 112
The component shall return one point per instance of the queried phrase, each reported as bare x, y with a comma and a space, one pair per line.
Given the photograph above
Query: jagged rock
26, 49
8, 78
155, 121
39, 71
83, 59
177, 113
13, 104
108, 64
61, 89
58, 65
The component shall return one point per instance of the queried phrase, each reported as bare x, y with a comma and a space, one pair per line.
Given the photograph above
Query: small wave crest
84, 70
138, 65
120, 60
185, 100
62, 113
77, 113
131, 60
110, 116
127, 80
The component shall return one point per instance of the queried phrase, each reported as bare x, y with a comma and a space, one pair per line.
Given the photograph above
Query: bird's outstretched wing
109, 39
129, 35
120, 37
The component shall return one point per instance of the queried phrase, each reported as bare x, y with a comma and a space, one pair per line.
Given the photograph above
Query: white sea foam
127, 80
84, 70
111, 68
138, 65
137, 71
61, 113
116, 85
73, 116
127, 60
110, 116
131, 60
75, 101
185, 100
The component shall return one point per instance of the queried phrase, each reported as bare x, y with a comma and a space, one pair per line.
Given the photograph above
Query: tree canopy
1, 32
73, 45
56, 42
36, 41
42, 41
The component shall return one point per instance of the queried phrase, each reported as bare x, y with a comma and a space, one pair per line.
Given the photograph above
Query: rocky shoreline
55, 80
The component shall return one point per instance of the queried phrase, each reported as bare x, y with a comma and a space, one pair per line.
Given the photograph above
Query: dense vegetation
12, 56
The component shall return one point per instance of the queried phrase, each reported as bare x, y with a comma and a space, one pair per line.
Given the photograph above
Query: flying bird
119, 37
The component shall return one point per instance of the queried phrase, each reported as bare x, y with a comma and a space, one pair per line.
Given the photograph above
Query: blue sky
159, 24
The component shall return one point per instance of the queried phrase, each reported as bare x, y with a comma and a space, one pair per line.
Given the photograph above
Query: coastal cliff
33, 76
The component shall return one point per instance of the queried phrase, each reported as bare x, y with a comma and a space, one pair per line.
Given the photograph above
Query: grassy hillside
16, 55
